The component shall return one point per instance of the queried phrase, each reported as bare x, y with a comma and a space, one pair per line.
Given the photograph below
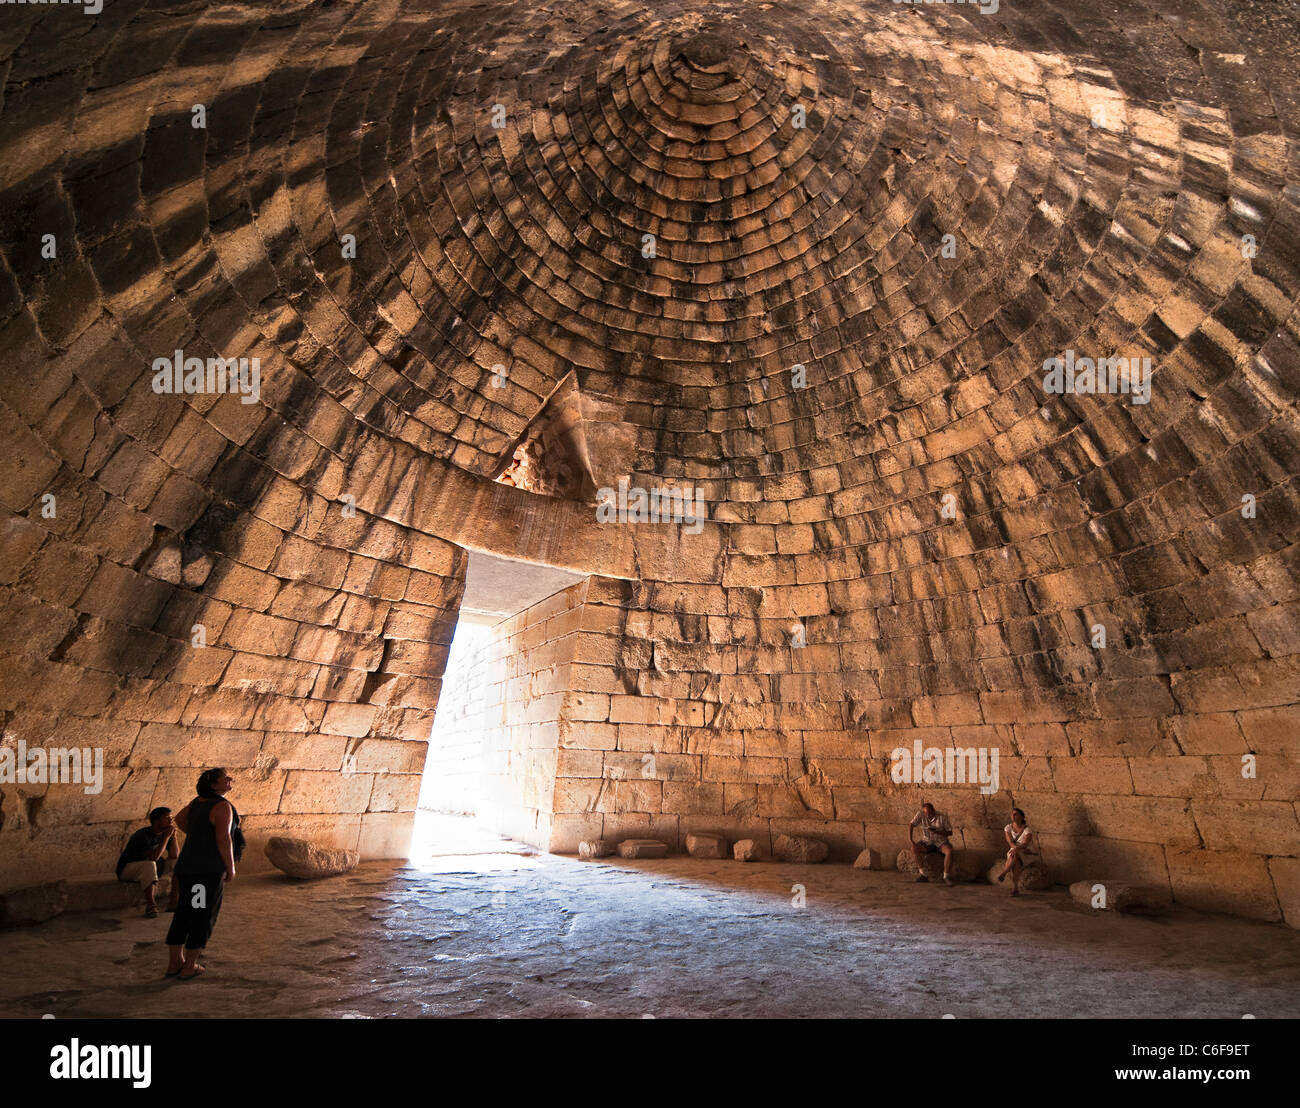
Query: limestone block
1223, 881
702, 844
385, 835
1253, 827
310, 791
100, 894
577, 795
286, 750
34, 904
868, 859
395, 792
1286, 880
124, 795
1115, 896
1073, 858
593, 848
965, 866
747, 850
55, 852
844, 839
799, 848
164, 745
642, 848
353, 720
1034, 877
304, 860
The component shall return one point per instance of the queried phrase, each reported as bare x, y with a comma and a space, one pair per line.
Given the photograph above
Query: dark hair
158, 814
207, 780
1021, 813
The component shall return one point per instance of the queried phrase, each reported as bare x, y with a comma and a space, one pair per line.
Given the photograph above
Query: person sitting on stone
936, 829
1022, 849
142, 861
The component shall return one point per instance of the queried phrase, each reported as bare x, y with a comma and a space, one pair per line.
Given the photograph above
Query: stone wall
1124, 778
873, 224
316, 686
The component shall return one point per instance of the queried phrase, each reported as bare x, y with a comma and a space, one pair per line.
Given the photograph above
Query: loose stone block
34, 904
965, 867
703, 844
642, 848
593, 848
1035, 878
747, 850
1115, 896
304, 860
868, 859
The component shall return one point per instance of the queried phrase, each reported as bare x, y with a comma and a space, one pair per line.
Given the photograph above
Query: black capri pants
192, 927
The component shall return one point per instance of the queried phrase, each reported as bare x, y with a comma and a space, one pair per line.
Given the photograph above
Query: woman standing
1022, 849
213, 842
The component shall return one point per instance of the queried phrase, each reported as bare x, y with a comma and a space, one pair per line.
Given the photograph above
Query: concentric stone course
914, 205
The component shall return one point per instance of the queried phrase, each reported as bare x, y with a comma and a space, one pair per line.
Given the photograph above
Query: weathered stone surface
868, 859
931, 864
1115, 896
836, 339
594, 848
799, 848
642, 848
34, 904
747, 850
1227, 881
99, 894
1034, 878
299, 858
965, 865
704, 844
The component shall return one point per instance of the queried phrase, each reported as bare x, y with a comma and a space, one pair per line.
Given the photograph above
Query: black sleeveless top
201, 854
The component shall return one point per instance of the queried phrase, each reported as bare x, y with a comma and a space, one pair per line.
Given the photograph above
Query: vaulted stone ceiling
871, 222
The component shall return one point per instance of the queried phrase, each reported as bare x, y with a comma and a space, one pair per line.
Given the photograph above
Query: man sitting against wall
143, 862
936, 830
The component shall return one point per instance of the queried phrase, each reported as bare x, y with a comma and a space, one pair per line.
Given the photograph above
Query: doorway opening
485, 793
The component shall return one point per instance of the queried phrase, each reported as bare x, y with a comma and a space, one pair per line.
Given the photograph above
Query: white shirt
1024, 840
935, 829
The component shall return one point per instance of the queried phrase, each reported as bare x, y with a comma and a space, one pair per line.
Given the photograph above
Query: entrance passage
492, 746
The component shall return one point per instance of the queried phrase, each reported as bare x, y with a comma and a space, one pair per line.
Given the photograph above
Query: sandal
151, 913
199, 971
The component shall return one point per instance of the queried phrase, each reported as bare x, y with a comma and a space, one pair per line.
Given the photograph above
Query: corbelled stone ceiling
808, 259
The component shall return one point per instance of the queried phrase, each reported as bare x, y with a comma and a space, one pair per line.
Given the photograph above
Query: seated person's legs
919, 851
144, 874
1016, 865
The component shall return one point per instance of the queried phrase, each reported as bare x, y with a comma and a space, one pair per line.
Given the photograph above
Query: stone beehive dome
807, 259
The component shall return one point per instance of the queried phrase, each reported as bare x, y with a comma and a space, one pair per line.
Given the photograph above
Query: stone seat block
642, 848
965, 866
705, 844
307, 861
1033, 878
1117, 896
